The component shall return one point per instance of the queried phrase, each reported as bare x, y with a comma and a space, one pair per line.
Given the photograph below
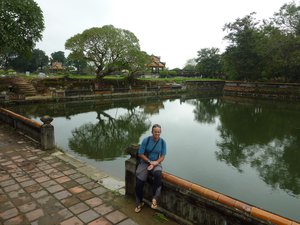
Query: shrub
173, 73
11, 72
163, 73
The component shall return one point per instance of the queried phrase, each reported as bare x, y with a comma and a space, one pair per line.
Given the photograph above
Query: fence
190, 203
42, 133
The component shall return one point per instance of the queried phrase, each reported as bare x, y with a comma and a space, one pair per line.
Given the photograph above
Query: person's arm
160, 159
145, 158
142, 150
162, 156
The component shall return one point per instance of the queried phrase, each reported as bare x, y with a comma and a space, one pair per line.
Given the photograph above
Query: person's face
156, 132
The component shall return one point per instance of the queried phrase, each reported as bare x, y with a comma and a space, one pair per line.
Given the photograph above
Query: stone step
24, 87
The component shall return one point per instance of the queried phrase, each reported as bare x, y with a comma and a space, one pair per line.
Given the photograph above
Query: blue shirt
159, 150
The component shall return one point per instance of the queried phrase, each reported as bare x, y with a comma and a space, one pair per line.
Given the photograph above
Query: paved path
38, 187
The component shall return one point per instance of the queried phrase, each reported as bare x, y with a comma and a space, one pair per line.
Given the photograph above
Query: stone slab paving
49, 188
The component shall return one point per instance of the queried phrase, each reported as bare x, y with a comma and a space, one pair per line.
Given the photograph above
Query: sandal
154, 204
139, 207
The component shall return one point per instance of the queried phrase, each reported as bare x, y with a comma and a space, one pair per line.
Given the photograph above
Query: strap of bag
148, 153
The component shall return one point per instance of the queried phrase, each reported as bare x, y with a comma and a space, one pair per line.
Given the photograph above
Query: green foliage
110, 49
58, 57
77, 61
167, 73
242, 61
270, 50
190, 65
209, 62
178, 79
135, 62
21, 26
36, 60
288, 19
10, 72
173, 73
163, 73
159, 217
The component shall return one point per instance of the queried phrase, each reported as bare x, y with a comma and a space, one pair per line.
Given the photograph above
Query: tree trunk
99, 74
130, 78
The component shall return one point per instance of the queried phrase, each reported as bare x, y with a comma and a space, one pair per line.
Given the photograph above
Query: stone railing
190, 203
115, 90
264, 90
205, 86
42, 133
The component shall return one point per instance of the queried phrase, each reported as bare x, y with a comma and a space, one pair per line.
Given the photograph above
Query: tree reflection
261, 137
108, 138
206, 110
153, 108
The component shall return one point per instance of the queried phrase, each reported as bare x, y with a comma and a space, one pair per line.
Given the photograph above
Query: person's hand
154, 163
150, 167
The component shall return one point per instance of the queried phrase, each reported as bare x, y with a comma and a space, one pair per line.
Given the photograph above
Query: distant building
156, 65
56, 66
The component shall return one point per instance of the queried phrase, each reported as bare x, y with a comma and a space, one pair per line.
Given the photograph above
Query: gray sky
172, 29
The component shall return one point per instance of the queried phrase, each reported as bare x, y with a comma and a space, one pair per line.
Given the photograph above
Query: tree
37, 60
288, 19
280, 54
135, 62
209, 62
282, 44
21, 26
190, 65
78, 62
58, 57
242, 59
270, 50
108, 138
107, 47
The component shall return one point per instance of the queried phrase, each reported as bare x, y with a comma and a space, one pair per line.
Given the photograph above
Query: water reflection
153, 108
246, 149
265, 139
108, 138
206, 110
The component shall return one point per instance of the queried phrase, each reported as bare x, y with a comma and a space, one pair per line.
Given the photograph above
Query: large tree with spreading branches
109, 49
21, 26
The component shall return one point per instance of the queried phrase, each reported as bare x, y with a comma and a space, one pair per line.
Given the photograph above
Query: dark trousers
156, 187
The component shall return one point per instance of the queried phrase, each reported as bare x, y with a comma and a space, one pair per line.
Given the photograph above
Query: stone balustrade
190, 203
262, 90
43, 133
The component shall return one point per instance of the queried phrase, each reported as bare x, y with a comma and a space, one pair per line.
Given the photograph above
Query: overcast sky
172, 29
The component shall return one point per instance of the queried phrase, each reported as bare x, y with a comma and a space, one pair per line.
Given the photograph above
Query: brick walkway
52, 188
38, 187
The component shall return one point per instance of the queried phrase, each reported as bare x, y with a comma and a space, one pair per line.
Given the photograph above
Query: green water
246, 149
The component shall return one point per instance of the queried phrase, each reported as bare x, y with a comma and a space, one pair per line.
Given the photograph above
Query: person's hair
155, 125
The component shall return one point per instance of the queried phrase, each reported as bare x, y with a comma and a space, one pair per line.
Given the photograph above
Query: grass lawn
122, 77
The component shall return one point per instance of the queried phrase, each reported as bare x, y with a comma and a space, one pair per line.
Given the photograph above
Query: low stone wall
42, 133
108, 93
205, 86
263, 90
190, 203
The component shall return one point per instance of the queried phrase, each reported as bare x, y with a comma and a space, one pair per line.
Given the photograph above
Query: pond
246, 149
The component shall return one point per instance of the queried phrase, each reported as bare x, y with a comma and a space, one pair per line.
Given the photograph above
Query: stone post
47, 133
130, 167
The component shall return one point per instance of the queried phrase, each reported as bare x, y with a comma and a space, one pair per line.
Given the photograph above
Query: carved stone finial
46, 119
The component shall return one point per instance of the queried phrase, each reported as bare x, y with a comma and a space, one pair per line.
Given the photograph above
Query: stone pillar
47, 133
130, 167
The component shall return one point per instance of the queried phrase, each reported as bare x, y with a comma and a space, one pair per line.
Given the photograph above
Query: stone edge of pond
107, 181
